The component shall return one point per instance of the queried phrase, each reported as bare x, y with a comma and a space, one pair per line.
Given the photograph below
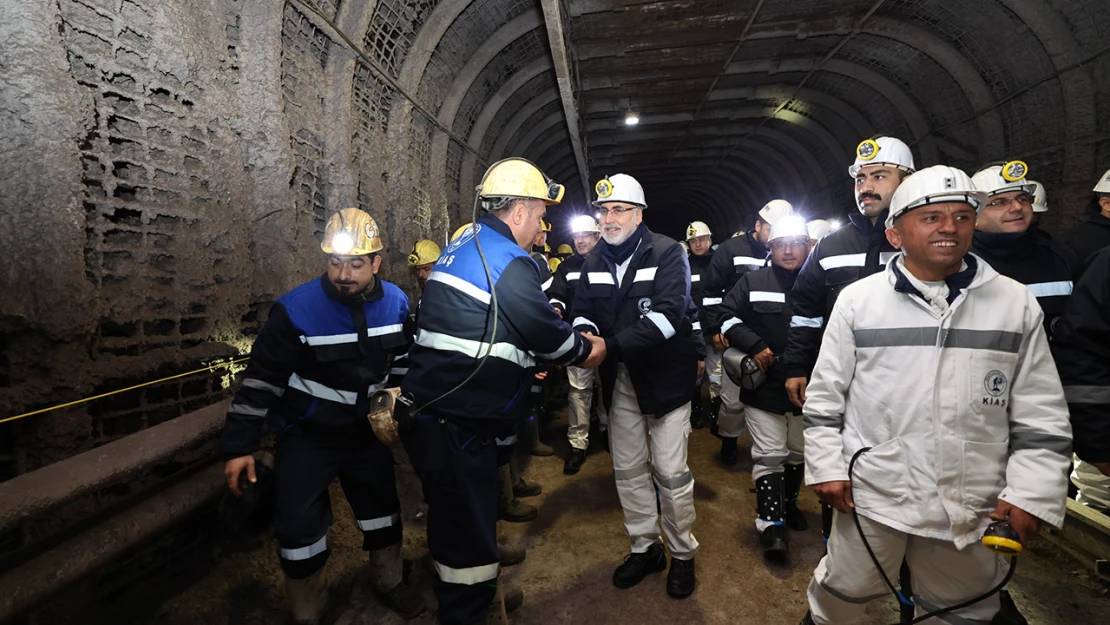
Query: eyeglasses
782, 245
1021, 200
601, 212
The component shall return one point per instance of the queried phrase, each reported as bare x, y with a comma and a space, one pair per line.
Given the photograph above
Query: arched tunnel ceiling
743, 101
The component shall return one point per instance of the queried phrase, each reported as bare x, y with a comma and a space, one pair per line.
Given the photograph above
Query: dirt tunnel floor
577, 541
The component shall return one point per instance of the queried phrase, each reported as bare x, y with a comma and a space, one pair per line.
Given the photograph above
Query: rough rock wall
169, 167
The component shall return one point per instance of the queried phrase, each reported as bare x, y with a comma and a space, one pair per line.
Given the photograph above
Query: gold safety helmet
516, 177
423, 252
351, 232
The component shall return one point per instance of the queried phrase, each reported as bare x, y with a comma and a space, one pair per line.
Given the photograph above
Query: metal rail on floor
1086, 537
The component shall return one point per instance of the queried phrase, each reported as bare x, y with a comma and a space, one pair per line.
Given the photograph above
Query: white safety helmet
995, 179
788, 226
619, 188
817, 229
1040, 197
774, 210
685, 246
697, 229
934, 185
1103, 185
584, 223
882, 150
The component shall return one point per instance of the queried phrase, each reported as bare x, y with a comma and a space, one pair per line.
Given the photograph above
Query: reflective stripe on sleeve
661, 322
806, 322
323, 392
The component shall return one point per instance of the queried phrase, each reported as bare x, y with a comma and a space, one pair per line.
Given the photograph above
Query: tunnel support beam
557, 39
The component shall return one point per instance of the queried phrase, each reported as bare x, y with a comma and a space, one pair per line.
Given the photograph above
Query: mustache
869, 195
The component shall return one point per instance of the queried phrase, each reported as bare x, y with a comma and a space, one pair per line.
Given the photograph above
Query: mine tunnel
170, 169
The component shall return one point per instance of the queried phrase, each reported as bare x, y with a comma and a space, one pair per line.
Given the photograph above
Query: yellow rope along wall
129, 388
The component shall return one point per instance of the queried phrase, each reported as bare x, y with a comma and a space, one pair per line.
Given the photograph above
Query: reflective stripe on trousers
635, 465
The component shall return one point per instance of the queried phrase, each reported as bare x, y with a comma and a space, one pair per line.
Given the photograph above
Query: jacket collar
1009, 245
866, 228
499, 227
785, 277
1098, 220
977, 273
375, 294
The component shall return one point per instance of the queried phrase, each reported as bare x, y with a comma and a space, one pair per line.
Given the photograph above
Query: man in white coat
940, 366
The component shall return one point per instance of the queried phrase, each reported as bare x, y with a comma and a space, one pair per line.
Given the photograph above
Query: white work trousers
778, 440
712, 371
846, 579
1094, 487
580, 397
730, 418
634, 465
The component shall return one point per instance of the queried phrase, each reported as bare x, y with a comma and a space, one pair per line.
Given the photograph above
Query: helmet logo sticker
1014, 171
867, 150
644, 305
995, 383
604, 188
691, 232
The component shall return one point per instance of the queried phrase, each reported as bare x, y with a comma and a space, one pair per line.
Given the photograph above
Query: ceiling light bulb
631, 119
835, 224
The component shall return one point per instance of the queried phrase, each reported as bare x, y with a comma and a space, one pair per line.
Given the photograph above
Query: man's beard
349, 291
617, 239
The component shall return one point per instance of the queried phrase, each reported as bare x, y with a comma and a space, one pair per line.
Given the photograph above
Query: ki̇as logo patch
644, 305
995, 383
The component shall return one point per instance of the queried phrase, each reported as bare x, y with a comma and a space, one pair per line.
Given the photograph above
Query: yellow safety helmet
351, 232
423, 252
546, 226
546, 248
564, 249
516, 177
461, 230
553, 263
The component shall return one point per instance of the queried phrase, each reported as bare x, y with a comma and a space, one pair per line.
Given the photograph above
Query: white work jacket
960, 408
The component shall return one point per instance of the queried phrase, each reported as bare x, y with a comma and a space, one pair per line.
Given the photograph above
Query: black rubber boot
1009, 613
714, 410
730, 455
574, 461
769, 502
681, 580
637, 566
795, 475
826, 521
697, 412
807, 620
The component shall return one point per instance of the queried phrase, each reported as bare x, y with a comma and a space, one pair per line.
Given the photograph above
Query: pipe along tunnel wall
169, 165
